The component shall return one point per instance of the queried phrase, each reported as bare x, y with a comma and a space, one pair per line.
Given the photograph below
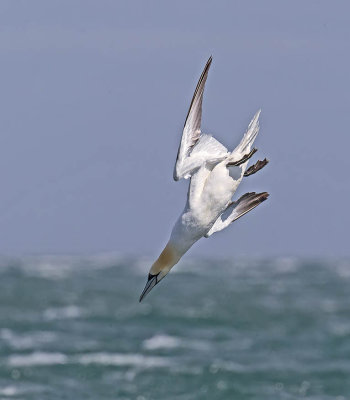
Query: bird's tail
250, 135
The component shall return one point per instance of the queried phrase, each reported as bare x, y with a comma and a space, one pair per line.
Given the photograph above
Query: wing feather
192, 128
237, 209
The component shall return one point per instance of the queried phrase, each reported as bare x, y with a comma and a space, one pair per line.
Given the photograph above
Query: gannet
214, 174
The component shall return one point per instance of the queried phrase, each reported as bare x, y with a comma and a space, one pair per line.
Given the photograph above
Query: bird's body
215, 175
210, 192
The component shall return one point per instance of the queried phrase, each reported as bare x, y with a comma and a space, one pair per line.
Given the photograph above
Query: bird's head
167, 259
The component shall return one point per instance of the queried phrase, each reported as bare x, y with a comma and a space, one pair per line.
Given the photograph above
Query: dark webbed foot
245, 158
256, 167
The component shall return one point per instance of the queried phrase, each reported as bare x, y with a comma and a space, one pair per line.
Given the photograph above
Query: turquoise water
72, 328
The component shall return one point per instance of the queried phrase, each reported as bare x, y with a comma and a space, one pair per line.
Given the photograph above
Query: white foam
36, 359
48, 267
9, 391
28, 340
69, 312
161, 342
57, 267
118, 359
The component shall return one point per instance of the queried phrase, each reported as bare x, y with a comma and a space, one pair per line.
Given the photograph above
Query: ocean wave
57, 267
36, 359
343, 269
229, 366
21, 389
69, 312
118, 359
162, 341
340, 329
111, 359
28, 340
9, 391
285, 265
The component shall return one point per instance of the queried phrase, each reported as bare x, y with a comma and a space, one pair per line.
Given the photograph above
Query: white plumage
215, 174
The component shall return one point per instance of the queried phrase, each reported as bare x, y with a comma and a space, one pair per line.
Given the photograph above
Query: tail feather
250, 135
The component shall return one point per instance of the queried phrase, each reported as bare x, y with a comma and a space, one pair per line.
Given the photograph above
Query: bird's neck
167, 259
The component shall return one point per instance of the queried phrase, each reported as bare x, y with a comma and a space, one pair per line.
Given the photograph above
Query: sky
92, 103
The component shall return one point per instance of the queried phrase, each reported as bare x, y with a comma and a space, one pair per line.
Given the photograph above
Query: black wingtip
208, 64
263, 196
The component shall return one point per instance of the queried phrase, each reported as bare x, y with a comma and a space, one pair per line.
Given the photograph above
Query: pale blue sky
93, 99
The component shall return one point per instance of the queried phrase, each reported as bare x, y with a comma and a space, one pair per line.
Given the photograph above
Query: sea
72, 328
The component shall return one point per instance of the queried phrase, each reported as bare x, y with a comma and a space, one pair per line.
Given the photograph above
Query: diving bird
214, 174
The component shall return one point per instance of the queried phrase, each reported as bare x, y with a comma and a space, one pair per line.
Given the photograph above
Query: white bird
215, 174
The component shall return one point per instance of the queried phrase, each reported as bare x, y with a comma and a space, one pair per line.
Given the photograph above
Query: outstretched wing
192, 129
237, 209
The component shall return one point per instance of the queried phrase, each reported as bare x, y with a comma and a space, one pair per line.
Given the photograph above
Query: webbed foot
256, 167
245, 158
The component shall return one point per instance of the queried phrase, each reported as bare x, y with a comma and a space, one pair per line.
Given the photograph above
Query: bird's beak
151, 283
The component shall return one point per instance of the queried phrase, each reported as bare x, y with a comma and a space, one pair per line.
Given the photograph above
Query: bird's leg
245, 158
256, 167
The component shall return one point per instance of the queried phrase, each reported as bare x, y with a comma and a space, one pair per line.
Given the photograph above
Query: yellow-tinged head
167, 259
